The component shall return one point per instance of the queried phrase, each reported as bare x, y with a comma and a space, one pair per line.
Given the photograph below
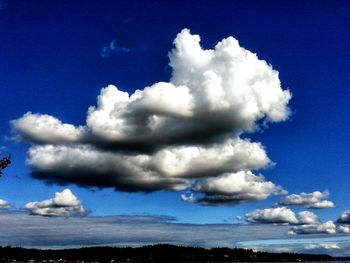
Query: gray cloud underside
168, 169
344, 217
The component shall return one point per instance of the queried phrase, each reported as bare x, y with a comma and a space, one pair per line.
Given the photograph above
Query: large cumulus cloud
170, 135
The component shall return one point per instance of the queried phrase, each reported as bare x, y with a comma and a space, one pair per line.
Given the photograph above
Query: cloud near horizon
123, 230
323, 228
344, 217
139, 230
4, 204
303, 223
176, 135
64, 203
322, 246
281, 215
315, 200
232, 188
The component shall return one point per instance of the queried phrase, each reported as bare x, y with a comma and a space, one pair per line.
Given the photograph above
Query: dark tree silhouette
155, 253
4, 162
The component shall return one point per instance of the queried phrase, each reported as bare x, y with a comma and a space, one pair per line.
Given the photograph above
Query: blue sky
56, 56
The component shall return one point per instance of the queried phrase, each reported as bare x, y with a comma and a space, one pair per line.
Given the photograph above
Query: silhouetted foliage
155, 253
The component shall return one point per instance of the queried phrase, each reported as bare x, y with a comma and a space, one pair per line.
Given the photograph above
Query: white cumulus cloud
4, 204
43, 128
344, 229
308, 218
315, 199
278, 215
282, 215
325, 228
232, 188
170, 135
64, 203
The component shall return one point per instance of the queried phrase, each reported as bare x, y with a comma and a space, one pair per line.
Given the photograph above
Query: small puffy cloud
278, 215
232, 188
112, 48
322, 246
308, 218
170, 135
312, 200
326, 228
62, 204
344, 229
344, 217
282, 215
239, 218
4, 204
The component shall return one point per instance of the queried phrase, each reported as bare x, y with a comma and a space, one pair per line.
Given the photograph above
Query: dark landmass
156, 253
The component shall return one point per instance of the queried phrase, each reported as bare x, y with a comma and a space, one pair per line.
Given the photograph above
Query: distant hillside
156, 253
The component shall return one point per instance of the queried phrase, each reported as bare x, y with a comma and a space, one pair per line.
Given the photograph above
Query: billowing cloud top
62, 204
212, 92
170, 135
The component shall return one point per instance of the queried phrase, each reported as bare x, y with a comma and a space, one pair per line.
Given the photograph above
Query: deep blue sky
50, 63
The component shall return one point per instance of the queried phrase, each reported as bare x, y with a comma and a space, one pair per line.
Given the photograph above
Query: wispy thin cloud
21, 229
112, 48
